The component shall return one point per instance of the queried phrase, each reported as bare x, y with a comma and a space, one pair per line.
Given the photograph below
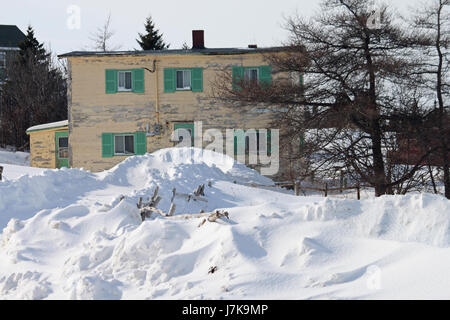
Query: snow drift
67, 235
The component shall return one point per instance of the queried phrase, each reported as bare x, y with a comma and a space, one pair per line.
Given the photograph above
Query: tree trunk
379, 176
447, 181
442, 114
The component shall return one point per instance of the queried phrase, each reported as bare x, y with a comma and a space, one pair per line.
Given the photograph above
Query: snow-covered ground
68, 235
16, 164
11, 157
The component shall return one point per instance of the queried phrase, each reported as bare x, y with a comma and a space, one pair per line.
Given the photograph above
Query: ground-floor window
123, 144
243, 138
188, 126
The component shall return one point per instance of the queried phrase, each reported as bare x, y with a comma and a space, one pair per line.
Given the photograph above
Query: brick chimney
198, 39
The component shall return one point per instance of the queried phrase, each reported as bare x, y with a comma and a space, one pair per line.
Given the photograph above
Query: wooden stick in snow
172, 209
188, 197
200, 191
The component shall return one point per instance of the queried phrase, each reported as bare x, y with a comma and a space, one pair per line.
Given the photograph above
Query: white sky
229, 23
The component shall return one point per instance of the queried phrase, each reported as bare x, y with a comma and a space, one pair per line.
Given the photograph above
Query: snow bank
180, 168
79, 241
14, 157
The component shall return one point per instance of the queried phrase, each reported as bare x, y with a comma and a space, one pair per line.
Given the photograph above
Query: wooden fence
298, 187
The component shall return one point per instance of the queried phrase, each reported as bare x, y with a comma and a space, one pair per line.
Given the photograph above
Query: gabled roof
51, 125
206, 51
10, 36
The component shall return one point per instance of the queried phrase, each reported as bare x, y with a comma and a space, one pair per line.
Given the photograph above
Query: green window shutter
110, 81
269, 141
140, 143
238, 142
301, 80
169, 80
186, 126
107, 145
302, 141
138, 81
265, 75
197, 79
238, 75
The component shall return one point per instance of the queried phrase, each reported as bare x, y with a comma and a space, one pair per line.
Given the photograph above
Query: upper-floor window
125, 81
260, 74
251, 74
2, 60
183, 79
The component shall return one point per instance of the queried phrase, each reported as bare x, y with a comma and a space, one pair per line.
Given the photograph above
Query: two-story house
129, 103
10, 37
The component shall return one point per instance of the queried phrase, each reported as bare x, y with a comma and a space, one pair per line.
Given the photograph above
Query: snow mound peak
189, 163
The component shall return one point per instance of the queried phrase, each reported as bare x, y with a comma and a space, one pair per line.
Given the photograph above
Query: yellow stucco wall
42, 147
92, 111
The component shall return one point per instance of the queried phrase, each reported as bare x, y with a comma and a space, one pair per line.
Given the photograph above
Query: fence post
326, 189
358, 192
297, 188
1, 172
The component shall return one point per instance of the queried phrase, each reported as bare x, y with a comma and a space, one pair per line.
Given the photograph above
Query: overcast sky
230, 23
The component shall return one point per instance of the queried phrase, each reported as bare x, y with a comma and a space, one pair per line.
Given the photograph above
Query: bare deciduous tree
432, 26
358, 94
102, 37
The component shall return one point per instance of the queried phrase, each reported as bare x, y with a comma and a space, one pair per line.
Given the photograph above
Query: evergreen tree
34, 92
31, 48
152, 39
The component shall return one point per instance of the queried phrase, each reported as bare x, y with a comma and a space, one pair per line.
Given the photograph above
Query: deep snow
67, 235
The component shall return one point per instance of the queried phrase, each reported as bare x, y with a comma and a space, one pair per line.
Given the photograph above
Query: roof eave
219, 51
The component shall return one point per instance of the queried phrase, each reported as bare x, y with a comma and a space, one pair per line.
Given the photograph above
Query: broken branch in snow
200, 191
146, 209
146, 212
195, 196
171, 210
212, 217
216, 215
212, 269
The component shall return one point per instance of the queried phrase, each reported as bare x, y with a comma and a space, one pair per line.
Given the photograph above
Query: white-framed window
124, 144
2, 60
125, 81
183, 79
251, 74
